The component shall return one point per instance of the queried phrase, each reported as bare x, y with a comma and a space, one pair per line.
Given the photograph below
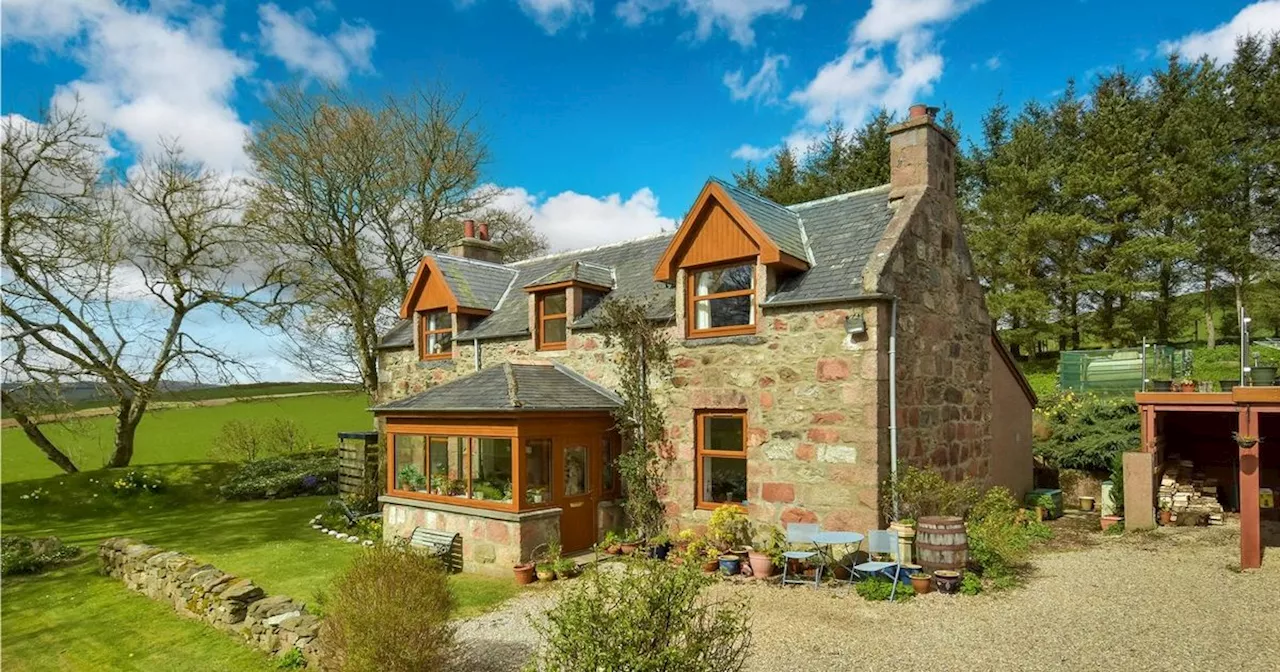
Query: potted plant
536, 495
730, 564
629, 545
611, 545
566, 568
1244, 440
768, 557
1086, 503
546, 572
412, 478
1187, 385
947, 581
922, 583
524, 573
659, 546
1228, 385
1262, 375
729, 528
1166, 514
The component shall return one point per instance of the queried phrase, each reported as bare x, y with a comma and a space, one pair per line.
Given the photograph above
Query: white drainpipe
893, 397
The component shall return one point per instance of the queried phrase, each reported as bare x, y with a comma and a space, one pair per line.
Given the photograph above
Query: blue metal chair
882, 542
801, 533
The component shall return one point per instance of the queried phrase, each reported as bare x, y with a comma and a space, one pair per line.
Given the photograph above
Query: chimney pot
468, 228
484, 231
919, 110
920, 154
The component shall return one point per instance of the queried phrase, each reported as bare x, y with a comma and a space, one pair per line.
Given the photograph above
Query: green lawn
223, 392
178, 434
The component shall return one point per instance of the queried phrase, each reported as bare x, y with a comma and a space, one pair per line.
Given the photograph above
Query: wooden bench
443, 545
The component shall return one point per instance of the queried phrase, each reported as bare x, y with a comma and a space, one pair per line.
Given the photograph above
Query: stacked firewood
1188, 494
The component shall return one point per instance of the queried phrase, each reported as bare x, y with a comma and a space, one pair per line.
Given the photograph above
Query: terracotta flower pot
524, 574
922, 583
761, 564
1187, 387
1166, 516
1108, 521
710, 566
628, 547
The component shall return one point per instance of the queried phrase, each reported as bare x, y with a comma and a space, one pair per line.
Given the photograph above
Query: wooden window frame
691, 286
457, 500
539, 341
425, 332
699, 452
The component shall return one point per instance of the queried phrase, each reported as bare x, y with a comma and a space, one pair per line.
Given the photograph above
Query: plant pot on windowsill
1263, 376
1227, 385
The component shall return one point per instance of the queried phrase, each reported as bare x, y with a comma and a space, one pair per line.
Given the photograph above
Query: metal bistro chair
882, 542
801, 533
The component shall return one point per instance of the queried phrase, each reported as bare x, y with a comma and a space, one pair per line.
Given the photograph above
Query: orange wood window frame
691, 287
699, 451
427, 332
517, 466
543, 317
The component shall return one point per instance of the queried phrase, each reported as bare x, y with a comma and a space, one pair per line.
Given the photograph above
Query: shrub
971, 584
878, 589
924, 492
252, 440
291, 660
390, 612
647, 616
729, 527
276, 477
20, 555
1085, 431
1000, 535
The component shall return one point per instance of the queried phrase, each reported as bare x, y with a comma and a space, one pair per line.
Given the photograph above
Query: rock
242, 591
269, 606
353, 539
317, 527
368, 542
280, 618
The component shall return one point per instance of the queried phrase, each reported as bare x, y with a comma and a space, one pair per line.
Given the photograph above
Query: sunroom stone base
492, 541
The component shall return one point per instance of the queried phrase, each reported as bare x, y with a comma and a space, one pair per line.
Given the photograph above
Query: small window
537, 471
410, 474
721, 460
491, 470
448, 466
553, 321
437, 335
722, 301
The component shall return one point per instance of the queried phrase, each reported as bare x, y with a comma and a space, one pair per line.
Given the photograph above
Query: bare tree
351, 194
103, 273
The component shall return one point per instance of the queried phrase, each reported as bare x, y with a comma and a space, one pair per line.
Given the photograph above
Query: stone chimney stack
921, 154
475, 243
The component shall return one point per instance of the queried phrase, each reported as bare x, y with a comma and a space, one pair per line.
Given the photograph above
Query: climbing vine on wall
643, 358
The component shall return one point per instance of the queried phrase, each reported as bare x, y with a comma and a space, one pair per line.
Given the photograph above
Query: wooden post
1250, 513
1139, 491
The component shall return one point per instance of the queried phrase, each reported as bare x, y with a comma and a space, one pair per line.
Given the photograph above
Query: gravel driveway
1167, 600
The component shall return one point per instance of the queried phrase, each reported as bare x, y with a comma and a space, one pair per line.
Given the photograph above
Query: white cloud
764, 86
890, 20
1220, 42
572, 220
289, 37
553, 15
747, 152
734, 17
147, 76
994, 62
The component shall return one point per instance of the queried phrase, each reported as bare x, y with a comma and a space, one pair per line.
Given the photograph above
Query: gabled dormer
729, 248
562, 295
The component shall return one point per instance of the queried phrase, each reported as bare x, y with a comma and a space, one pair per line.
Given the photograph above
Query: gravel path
1166, 600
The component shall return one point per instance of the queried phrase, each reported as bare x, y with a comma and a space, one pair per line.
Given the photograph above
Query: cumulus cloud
734, 17
552, 15
748, 152
764, 86
571, 220
1220, 42
290, 38
148, 76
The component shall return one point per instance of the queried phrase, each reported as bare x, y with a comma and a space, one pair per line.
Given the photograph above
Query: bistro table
827, 541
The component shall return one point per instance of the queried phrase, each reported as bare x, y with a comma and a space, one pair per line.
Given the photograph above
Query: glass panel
607, 472
437, 320
722, 433
730, 312
575, 471
439, 344
553, 331
410, 466
724, 280
491, 470
537, 471
724, 479
448, 461
553, 304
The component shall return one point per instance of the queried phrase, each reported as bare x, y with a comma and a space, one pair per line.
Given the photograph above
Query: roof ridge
583, 250
837, 197
468, 260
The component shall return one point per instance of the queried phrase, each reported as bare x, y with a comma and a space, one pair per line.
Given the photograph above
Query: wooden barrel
941, 543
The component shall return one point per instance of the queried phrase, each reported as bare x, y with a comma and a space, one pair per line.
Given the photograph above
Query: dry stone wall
275, 624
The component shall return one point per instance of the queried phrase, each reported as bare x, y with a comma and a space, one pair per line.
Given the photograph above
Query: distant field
223, 392
179, 434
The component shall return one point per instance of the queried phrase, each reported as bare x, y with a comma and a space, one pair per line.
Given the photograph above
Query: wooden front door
578, 494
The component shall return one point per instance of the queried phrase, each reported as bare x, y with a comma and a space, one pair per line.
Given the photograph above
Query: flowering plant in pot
729, 528
766, 557
1244, 440
1166, 514
1187, 385
611, 544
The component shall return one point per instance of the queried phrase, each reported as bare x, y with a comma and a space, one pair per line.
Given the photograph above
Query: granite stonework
275, 624
492, 541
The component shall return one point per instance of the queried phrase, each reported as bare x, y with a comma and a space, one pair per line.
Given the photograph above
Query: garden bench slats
443, 545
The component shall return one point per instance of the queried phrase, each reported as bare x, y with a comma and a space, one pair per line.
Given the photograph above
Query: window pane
553, 331
491, 470
537, 471
607, 472
410, 468
724, 280
448, 461
733, 311
722, 433
553, 304
575, 471
437, 320
724, 479
439, 344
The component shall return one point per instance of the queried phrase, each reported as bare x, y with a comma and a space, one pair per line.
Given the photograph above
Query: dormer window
722, 300
553, 320
437, 334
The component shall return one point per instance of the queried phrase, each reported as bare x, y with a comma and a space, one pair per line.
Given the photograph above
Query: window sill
743, 339
712, 506
494, 514
552, 347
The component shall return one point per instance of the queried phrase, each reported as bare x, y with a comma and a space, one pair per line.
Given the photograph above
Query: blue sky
603, 116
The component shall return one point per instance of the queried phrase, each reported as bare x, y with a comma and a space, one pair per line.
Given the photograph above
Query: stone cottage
813, 345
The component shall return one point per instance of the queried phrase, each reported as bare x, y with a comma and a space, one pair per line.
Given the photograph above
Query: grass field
178, 434
222, 392
75, 619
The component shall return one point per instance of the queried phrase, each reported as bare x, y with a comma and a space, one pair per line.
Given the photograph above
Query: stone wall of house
944, 332
490, 544
275, 624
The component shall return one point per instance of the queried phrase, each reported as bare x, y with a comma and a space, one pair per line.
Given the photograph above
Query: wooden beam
1250, 507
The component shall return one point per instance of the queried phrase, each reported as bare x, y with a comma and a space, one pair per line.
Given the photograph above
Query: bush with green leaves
1086, 431
255, 439
878, 589
971, 584
1000, 534
390, 612
279, 477
646, 616
21, 555
924, 492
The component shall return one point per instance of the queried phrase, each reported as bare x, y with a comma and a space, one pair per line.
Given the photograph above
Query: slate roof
842, 232
476, 284
511, 387
782, 225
